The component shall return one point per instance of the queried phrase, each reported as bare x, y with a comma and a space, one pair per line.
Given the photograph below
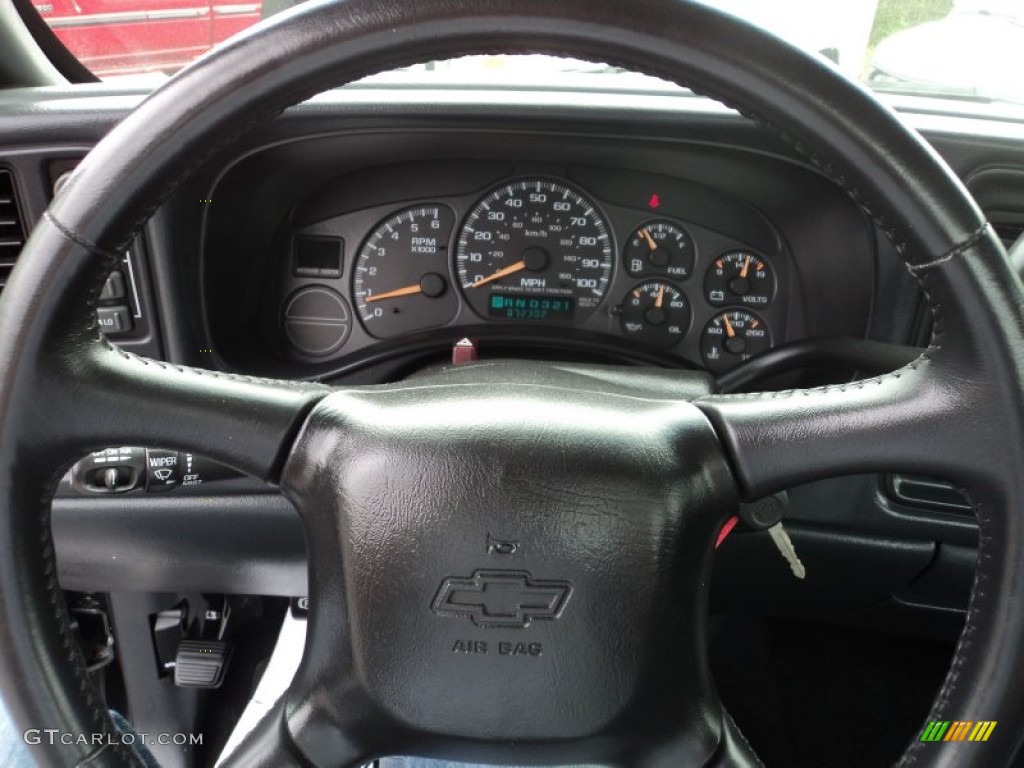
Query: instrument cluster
546, 255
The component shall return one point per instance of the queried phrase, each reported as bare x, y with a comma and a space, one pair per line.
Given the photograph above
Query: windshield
956, 49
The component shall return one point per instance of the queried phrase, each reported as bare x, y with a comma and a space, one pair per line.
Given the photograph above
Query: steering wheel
585, 640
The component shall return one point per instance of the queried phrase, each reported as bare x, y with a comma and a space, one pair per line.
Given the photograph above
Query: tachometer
400, 281
534, 249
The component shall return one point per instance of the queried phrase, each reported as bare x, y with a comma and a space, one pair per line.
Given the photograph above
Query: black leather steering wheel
613, 484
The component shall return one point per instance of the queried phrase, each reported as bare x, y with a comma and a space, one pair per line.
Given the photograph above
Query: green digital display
531, 307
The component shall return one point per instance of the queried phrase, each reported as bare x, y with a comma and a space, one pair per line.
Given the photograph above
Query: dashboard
612, 253
371, 247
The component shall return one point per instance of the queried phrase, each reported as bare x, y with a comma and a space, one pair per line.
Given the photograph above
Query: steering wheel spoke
269, 744
314, 729
896, 422
345, 730
244, 422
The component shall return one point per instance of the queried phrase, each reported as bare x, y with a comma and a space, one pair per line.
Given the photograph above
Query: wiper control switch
163, 470
156, 470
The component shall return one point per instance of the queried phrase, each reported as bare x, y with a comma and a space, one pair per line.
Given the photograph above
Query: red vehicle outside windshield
118, 37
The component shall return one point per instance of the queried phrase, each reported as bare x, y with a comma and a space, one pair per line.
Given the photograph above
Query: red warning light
655, 201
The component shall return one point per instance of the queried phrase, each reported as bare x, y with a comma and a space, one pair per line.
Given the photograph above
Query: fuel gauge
656, 313
740, 277
660, 248
731, 337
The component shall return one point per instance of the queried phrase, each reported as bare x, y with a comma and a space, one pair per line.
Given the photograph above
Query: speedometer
534, 249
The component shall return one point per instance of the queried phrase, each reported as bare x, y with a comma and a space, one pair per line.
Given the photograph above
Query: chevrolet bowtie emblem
509, 599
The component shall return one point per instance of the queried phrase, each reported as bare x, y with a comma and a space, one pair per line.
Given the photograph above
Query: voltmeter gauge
731, 337
656, 313
660, 248
740, 277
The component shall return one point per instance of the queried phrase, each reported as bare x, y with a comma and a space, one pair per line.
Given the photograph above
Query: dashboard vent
12, 231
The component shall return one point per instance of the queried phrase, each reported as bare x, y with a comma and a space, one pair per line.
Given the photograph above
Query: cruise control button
114, 287
114, 319
163, 470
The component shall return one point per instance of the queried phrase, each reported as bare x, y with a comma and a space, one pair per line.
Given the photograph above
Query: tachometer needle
509, 270
746, 267
661, 296
729, 330
407, 291
646, 235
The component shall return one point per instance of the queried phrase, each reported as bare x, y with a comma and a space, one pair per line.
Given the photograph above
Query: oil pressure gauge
656, 313
740, 277
731, 337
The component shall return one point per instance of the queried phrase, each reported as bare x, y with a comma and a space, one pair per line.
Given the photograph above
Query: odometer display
539, 240
527, 307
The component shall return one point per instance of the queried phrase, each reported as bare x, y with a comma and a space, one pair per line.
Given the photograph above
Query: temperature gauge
732, 337
656, 313
740, 277
660, 249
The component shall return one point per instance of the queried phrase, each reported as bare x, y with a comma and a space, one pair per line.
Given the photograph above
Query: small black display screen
531, 307
319, 256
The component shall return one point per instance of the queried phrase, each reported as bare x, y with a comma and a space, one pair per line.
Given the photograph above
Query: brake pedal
201, 663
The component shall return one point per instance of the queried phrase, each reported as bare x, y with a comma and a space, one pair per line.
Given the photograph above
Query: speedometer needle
407, 291
519, 266
729, 330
